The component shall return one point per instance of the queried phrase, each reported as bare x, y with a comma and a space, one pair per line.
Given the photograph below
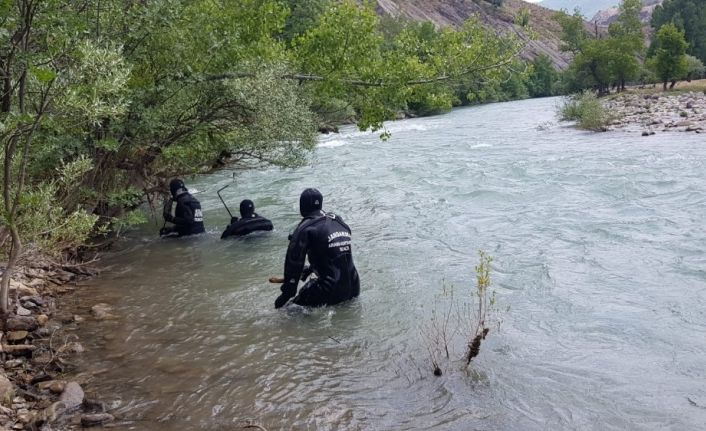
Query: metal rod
224, 202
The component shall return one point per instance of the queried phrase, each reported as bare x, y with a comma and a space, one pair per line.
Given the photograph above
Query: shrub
588, 112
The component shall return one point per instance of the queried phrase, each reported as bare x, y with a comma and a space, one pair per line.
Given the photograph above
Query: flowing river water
599, 251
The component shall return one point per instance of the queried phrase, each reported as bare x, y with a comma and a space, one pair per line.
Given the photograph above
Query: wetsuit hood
177, 187
310, 201
247, 208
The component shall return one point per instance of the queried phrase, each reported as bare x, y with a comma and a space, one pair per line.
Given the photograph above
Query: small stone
36, 300
78, 319
72, 397
21, 323
14, 363
22, 289
57, 387
7, 389
17, 335
94, 419
21, 311
42, 319
24, 416
645, 133
690, 105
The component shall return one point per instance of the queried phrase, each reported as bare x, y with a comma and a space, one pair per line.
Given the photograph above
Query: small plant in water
486, 307
461, 321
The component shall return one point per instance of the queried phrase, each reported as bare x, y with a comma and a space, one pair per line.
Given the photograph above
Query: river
598, 243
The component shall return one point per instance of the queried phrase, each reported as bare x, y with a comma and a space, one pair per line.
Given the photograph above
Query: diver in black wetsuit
249, 221
187, 218
326, 239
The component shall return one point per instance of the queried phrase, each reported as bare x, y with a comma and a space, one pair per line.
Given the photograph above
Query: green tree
694, 68
573, 31
626, 43
670, 55
689, 16
543, 77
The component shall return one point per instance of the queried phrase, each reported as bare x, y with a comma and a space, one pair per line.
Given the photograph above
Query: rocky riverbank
658, 112
37, 346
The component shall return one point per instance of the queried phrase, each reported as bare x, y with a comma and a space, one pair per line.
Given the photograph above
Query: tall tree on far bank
626, 43
690, 17
670, 56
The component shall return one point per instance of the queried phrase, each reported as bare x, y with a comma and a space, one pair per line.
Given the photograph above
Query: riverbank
38, 347
650, 111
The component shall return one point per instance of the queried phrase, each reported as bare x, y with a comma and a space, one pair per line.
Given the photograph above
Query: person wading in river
187, 218
326, 240
249, 221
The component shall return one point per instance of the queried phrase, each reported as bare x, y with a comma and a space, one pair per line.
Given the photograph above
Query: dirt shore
37, 347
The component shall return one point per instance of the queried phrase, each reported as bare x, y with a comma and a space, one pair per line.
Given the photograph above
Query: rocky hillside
606, 17
588, 7
455, 12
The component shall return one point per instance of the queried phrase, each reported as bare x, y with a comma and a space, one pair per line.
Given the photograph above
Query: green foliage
598, 63
303, 16
542, 78
694, 68
523, 17
670, 56
573, 31
690, 17
588, 112
111, 98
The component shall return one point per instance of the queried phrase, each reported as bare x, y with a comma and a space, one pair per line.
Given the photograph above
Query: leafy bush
588, 112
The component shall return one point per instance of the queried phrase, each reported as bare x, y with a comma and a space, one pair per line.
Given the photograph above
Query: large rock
7, 389
21, 323
72, 397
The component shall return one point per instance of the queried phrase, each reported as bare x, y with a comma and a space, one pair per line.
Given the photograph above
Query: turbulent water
598, 243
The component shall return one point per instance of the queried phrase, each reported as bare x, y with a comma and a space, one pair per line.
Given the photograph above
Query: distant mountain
455, 12
588, 7
606, 17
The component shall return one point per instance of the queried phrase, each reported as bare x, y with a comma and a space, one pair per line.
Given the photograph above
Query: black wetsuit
247, 225
188, 218
326, 239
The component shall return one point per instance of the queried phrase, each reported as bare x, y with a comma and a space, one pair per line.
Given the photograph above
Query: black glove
306, 272
281, 300
233, 220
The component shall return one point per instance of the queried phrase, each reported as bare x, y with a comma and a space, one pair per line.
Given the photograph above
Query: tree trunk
15, 251
671, 86
664, 87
